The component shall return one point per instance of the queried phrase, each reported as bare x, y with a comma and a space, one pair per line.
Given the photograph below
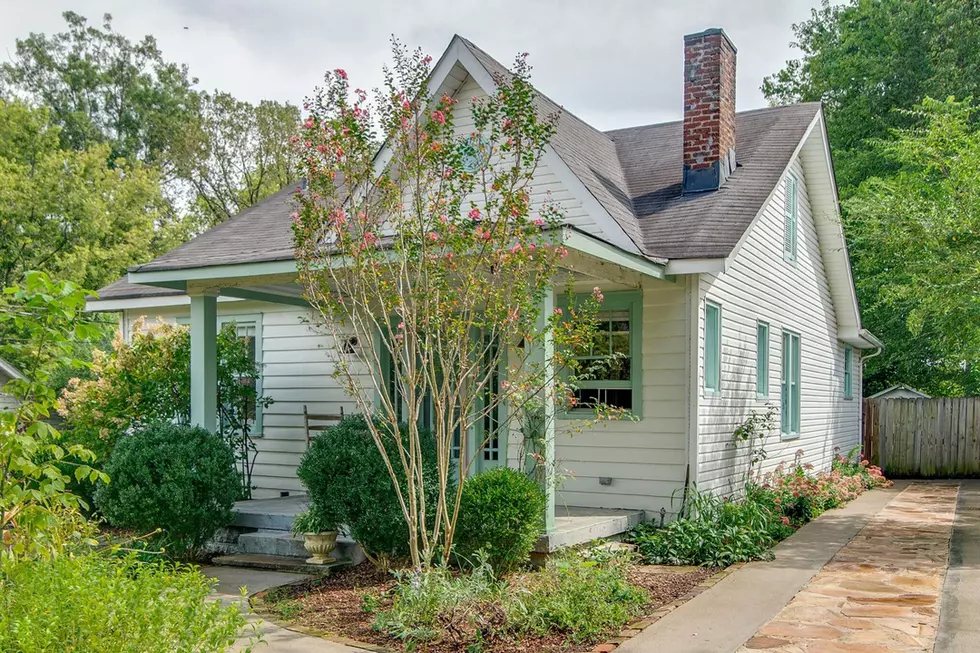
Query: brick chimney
709, 110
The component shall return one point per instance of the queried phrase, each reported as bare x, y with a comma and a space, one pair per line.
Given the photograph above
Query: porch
264, 526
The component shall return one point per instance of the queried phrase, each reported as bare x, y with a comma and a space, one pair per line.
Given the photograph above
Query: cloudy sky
614, 63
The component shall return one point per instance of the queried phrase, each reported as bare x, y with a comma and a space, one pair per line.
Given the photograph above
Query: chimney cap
697, 36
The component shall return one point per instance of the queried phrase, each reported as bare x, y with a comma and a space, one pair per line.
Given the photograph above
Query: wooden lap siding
761, 285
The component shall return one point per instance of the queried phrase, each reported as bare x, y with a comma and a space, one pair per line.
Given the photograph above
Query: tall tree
865, 58
103, 88
69, 212
234, 154
918, 231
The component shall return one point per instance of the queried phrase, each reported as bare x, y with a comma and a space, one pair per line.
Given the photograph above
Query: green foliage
147, 380
37, 511
918, 231
501, 512
348, 483
312, 521
574, 596
99, 604
872, 62
717, 533
866, 58
72, 213
234, 154
179, 479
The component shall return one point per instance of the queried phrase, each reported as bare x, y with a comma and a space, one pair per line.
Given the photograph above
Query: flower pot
319, 545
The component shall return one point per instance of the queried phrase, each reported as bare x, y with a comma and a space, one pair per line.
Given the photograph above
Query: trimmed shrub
105, 605
501, 512
348, 484
180, 479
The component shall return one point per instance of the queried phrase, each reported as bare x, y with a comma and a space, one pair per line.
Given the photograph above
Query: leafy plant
754, 432
179, 479
38, 512
501, 512
110, 605
718, 532
312, 521
147, 380
348, 483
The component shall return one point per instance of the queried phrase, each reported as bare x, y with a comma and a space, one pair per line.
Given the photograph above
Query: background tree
865, 58
871, 62
918, 230
69, 212
234, 154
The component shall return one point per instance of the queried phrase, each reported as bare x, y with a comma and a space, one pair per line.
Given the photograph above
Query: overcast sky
614, 63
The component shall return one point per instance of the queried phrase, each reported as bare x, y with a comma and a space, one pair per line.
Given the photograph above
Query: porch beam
204, 360
546, 351
262, 296
577, 240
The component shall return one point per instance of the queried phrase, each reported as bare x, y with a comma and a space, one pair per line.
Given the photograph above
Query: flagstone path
881, 592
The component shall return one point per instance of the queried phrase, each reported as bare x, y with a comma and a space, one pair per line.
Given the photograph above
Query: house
716, 240
900, 391
8, 372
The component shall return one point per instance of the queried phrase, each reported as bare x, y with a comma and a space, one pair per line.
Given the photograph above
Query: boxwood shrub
501, 512
180, 479
347, 481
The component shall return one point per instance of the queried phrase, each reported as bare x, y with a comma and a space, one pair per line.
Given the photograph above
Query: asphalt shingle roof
634, 173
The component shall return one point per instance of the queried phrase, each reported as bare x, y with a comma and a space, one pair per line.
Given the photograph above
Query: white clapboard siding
646, 460
761, 285
296, 371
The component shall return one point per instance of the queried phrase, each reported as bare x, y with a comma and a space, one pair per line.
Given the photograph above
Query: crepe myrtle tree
430, 260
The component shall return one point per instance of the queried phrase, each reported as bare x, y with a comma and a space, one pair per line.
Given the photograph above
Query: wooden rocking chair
319, 421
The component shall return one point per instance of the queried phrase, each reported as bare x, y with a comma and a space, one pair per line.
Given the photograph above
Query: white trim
209, 272
109, 305
900, 386
697, 266
587, 244
10, 370
694, 388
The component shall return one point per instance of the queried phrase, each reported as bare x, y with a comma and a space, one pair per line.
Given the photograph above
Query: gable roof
898, 387
9, 371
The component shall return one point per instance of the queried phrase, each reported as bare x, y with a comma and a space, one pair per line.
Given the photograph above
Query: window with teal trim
612, 361
790, 395
712, 347
848, 372
762, 359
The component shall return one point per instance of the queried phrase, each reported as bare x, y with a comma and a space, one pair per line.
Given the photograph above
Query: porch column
547, 357
204, 360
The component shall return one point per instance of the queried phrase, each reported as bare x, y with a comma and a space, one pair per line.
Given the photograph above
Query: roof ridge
737, 113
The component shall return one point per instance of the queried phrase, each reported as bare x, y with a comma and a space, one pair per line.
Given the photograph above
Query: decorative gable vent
709, 110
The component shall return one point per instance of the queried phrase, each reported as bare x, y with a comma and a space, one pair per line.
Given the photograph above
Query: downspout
877, 352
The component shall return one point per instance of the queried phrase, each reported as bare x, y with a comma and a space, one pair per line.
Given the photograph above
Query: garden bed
335, 606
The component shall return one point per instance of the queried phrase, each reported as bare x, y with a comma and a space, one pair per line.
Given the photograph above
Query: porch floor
573, 525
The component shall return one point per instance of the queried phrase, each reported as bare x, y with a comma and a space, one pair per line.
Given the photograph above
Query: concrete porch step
278, 563
575, 526
285, 544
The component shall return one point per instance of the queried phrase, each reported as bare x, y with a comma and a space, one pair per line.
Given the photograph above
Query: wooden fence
923, 438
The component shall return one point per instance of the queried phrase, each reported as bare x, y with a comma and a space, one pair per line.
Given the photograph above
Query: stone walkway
881, 592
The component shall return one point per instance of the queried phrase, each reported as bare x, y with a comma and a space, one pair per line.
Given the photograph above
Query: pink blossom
401, 326
516, 248
340, 72
597, 294
474, 214
439, 117
539, 222
433, 236
486, 235
369, 237
558, 311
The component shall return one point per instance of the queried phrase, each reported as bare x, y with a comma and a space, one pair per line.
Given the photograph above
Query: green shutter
790, 395
712, 347
762, 359
790, 229
848, 372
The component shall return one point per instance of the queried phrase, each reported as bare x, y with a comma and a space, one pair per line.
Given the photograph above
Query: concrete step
284, 543
278, 563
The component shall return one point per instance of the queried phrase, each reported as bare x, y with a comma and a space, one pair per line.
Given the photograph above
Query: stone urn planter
319, 537
320, 546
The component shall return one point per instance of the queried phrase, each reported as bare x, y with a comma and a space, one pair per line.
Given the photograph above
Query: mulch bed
332, 606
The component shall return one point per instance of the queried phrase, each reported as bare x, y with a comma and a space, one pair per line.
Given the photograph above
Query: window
762, 359
790, 229
790, 399
612, 359
248, 328
712, 347
848, 372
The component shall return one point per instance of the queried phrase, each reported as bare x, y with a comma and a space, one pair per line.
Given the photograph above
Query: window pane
712, 347
762, 359
615, 397
608, 358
